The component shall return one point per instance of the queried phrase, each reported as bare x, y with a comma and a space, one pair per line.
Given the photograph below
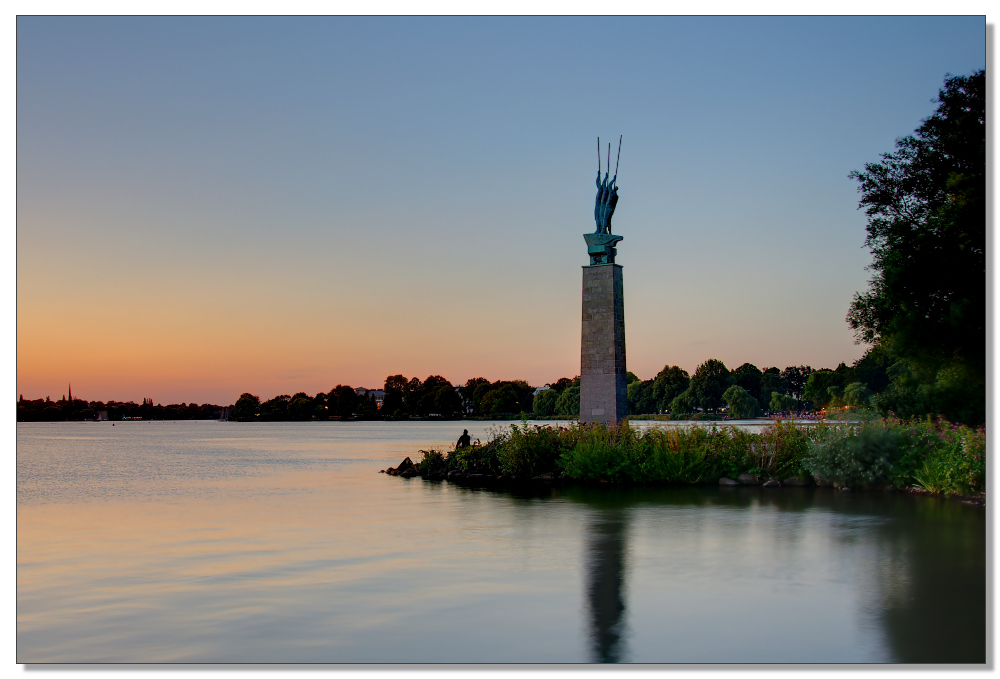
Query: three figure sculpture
607, 192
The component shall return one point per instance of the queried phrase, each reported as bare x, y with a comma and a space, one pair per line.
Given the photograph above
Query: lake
280, 543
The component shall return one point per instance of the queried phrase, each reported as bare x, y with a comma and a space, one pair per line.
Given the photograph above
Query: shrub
856, 456
528, 450
956, 462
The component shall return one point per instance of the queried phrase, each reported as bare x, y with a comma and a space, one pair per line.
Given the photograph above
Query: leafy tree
412, 395
782, 402
447, 402
563, 382
668, 384
395, 390
681, 403
631, 377
795, 378
772, 381
468, 391
342, 401
275, 409
749, 376
502, 399
710, 380
544, 403
568, 404
857, 394
872, 369
641, 397
741, 404
823, 387
301, 407
926, 302
246, 408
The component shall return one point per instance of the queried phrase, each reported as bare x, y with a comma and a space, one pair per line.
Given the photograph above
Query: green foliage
859, 457
681, 403
819, 385
741, 404
528, 450
668, 384
748, 376
641, 397
771, 381
568, 404
795, 378
926, 303
780, 402
684, 455
432, 461
246, 408
709, 382
941, 457
955, 461
858, 395
544, 403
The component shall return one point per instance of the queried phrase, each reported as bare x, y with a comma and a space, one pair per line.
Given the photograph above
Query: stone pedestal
603, 394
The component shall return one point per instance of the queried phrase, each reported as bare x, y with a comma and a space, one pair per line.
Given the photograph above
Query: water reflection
605, 584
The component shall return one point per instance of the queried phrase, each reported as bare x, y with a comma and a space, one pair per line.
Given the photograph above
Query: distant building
102, 416
541, 389
378, 394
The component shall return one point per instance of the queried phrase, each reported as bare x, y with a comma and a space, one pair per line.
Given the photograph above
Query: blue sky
213, 205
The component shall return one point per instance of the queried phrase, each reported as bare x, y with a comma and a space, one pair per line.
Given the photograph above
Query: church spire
71, 393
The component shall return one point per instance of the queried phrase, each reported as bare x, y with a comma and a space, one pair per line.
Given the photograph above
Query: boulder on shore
771, 484
407, 463
726, 481
547, 476
748, 480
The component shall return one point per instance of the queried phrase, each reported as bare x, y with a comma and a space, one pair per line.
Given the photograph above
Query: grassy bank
933, 455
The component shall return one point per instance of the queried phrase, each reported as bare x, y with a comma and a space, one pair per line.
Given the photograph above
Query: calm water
208, 541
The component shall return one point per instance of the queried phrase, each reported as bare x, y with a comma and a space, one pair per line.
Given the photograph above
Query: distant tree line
748, 391
47, 410
402, 398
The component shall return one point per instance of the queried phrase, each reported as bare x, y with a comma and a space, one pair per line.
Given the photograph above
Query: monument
603, 394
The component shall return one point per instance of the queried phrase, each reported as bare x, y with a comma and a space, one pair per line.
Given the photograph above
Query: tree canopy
926, 300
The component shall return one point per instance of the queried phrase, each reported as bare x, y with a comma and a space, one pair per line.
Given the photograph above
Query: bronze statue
607, 192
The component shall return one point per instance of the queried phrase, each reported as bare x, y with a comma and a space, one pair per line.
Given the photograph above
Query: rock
795, 481
455, 474
474, 477
771, 484
409, 473
845, 489
381, 471
748, 480
726, 481
547, 476
407, 463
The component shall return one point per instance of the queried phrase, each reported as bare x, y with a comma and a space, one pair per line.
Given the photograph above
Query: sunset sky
207, 206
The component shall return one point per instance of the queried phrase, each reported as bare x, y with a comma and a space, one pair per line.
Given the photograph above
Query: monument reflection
605, 563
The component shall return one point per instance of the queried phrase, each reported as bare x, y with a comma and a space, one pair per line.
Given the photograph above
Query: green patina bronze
601, 243
601, 247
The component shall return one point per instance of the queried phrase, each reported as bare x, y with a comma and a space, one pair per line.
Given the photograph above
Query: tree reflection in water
605, 584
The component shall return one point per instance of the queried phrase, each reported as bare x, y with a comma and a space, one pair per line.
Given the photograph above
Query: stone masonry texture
603, 393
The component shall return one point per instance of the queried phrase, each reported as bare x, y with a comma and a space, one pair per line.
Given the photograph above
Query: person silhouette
464, 440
